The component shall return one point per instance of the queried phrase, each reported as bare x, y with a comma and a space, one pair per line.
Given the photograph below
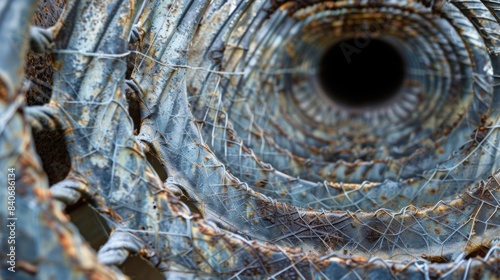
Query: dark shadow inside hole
155, 162
157, 165
51, 147
96, 231
358, 75
134, 110
89, 222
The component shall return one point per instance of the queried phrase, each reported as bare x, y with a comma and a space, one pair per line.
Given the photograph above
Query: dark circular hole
363, 72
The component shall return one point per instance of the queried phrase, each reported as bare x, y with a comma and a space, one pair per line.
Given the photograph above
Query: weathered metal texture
37, 239
223, 90
185, 143
108, 166
39, 68
250, 142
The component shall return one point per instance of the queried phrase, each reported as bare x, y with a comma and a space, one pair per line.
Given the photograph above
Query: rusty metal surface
37, 239
286, 184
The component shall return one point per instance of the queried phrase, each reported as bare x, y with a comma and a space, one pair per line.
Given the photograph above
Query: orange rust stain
3, 91
261, 183
27, 267
66, 243
42, 194
26, 160
442, 208
205, 229
432, 191
288, 5
359, 259
111, 213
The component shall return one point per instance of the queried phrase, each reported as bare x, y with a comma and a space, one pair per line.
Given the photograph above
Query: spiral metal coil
203, 134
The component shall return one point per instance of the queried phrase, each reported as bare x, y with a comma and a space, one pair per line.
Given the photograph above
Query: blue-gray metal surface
287, 183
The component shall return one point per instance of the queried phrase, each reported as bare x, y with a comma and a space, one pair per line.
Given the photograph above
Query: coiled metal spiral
312, 139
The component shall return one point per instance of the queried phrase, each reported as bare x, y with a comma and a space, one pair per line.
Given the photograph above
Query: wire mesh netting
202, 134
